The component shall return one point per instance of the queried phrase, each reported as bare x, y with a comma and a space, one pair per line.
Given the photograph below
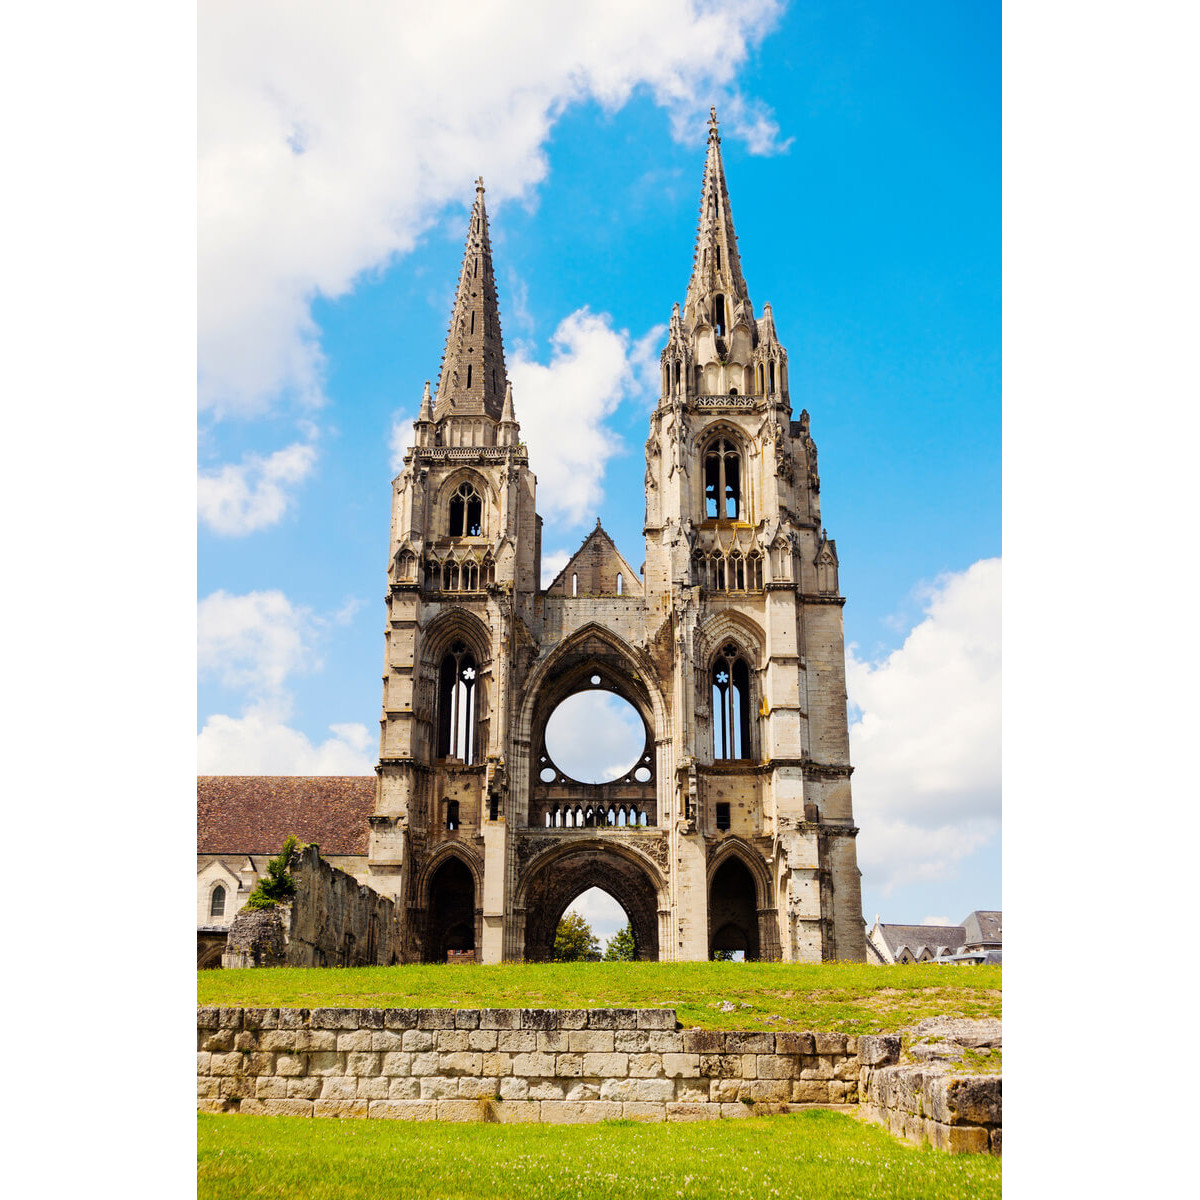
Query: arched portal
450, 921
557, 879
733, 909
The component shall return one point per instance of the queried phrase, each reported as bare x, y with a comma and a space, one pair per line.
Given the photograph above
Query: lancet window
722, 481
457, 705
216, 907
466, 512
731, 704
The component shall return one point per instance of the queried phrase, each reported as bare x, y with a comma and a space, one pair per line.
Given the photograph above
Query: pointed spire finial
473, 374
426, 413
712, 123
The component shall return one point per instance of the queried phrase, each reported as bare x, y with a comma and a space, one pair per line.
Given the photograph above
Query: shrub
277, 884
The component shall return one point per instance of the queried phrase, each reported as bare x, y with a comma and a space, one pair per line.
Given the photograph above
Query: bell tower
462, 574
736, 553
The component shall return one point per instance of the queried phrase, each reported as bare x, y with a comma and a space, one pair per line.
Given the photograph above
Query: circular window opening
548, 775
642, 774
596, 680
595, 737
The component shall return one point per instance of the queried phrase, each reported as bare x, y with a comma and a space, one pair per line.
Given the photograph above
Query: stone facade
734, 831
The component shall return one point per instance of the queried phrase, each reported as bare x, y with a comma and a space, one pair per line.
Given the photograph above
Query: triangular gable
596, 566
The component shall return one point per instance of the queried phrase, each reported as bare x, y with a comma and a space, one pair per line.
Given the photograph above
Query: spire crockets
716, 267
473, 376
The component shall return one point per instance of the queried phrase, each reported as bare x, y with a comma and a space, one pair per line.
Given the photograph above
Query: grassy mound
847, 997
817, 1154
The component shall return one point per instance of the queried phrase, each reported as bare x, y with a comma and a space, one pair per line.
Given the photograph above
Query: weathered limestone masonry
509, 1065
568, 1066
734, 831
333, 920
927, 1102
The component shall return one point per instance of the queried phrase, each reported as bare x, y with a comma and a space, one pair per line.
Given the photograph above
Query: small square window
722, 816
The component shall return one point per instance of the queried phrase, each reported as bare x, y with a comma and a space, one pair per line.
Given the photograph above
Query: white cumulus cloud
254, 643
255, 494
562, 407
926, 742
552, 563
331, 135
261, 743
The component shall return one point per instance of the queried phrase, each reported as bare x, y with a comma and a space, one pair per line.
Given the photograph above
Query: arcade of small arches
579, 816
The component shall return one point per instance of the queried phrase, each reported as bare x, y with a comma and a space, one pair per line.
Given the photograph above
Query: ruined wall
508, 1065
333, 920
928, 1102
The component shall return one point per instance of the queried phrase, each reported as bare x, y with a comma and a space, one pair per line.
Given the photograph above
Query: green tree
277, 884
722, 956
574, 940
621, 946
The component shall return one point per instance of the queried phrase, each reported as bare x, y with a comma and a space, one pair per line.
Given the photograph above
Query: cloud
402, 436
237, 500
926, 740
592, 368
254, 643
331, 136
260, 743
552, 563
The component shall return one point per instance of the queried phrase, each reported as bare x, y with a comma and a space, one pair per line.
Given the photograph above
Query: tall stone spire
473, 375
716, 267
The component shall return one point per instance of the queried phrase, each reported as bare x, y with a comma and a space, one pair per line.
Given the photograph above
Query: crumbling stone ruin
734, 831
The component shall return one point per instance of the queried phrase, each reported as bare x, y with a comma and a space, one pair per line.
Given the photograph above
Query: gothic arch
730, 626
740, 918
447, 916
559, 875
740, 442
736, 847
437, 859
454, 625
631, 674
488, 493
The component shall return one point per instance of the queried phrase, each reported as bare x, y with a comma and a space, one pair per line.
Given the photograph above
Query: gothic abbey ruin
735, 830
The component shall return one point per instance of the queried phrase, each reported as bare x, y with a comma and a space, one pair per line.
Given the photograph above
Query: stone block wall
504, 1065
928, 1102
570, 1066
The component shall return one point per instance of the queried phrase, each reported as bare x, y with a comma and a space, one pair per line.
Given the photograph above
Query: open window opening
719, 316
722, 814
466, 512
457, 696
722, 481
731, 705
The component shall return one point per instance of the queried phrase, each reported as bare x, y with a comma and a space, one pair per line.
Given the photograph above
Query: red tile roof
254, 814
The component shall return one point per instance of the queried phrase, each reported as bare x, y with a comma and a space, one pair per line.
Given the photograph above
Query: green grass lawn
817, 1155
847, 997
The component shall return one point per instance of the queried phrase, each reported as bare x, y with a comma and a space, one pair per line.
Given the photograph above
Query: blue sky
862, 152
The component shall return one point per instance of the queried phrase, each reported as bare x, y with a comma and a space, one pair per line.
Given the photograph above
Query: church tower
733, 832
735, 549
463, 571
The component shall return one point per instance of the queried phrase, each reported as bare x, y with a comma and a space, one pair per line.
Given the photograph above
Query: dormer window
466, 512
216, 908
722, 481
